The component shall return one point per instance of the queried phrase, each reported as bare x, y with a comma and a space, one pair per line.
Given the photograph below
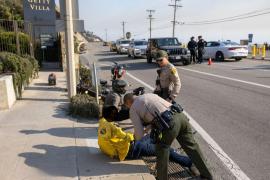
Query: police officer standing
168, 82
201, 45
192, 45
168, 122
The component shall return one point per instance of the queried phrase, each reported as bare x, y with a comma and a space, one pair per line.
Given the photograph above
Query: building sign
250, 38
42, 15
39, 5
39, 11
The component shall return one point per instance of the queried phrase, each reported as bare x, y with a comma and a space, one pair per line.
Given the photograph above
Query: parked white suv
122, 46
137, 48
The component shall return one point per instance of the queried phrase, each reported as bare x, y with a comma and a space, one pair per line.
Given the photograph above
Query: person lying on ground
116, 143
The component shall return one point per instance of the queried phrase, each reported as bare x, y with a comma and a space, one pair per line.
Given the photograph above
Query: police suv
172, 46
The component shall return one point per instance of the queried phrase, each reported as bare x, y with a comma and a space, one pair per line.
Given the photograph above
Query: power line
175, 6
231, 17
227, 20
150, 17
222, 20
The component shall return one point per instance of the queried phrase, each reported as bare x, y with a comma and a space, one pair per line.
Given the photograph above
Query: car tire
219, 56
149, 59
186, 62
238, 59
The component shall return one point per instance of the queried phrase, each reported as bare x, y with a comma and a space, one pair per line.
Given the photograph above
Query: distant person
192, 45
201, 45
116, 143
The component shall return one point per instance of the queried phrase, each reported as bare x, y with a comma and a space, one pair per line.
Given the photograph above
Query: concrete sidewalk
40, 142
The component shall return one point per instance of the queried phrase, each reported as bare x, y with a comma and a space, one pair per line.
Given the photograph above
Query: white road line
227, 161
228, 78
241, 67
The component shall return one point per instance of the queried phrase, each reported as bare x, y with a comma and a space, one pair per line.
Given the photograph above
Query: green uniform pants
183, 133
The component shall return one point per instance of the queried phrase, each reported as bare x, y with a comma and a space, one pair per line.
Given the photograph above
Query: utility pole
71, 77
106, 30
123, 24
150, 17
175, 6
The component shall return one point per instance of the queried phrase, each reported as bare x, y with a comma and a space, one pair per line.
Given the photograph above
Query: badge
173, 70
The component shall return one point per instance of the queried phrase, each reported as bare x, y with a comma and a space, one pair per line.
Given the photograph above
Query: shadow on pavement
62, 161
46, 88
41, 99
67, 132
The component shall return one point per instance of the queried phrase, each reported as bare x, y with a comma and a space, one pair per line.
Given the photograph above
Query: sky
108, 14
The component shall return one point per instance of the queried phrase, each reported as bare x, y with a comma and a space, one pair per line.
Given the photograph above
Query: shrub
35, 65
21, 68
86, 76
83, 105
1, 67
9, 39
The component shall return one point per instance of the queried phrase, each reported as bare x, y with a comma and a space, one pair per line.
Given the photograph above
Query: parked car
105, 43
172, 46
122, 46
113, 47
225, 50
137, 48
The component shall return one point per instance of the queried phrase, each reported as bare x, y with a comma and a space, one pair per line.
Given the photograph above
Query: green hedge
8, 41
85, 75
35, 65
1, 67
21, 68
83, 105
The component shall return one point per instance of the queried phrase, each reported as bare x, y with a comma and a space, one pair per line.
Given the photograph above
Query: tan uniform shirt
143, 110
170, 79
113, 99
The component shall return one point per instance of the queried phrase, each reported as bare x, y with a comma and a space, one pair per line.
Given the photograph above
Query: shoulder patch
173, 71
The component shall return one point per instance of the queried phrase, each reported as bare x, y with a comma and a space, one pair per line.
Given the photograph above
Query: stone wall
7, 93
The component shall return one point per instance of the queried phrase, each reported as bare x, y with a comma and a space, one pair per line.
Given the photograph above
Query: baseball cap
161, 54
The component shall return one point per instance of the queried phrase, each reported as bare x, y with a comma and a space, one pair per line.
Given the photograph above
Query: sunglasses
159, 60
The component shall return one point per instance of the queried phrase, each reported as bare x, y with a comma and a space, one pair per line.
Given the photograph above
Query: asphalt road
230, 100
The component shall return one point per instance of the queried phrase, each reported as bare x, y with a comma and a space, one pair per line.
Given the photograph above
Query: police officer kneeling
115, 98
168, 122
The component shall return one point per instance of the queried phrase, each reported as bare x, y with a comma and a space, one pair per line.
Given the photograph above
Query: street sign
250, 37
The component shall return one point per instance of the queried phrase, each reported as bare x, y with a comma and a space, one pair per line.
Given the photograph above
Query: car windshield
124, 42
230, 43
140, 43
168, 42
